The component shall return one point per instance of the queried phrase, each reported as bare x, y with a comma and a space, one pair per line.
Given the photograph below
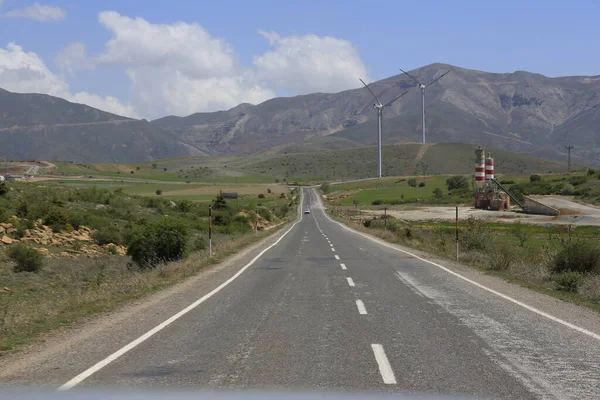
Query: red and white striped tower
489, 167
479, 166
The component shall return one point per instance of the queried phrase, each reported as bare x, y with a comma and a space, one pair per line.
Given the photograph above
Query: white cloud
180, 68
309, 63
38, 12
25, 72
74, 57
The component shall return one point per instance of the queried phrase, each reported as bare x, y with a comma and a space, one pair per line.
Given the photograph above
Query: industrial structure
489, 193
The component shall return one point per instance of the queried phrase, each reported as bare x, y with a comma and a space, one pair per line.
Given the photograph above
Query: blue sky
371, 38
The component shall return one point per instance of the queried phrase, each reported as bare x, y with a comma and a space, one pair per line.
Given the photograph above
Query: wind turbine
379, 107
422, 87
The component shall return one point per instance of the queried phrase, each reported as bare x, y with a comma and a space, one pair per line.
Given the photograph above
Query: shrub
567, 190
377, 202
568, 281
113, 250
222, 220
577, 180
56, 218
422, 184
165, 169
261, 196
158, 192
325, 188
507, 182
27, 258
3, 215
199, 243
268, 190
412, 182
591, 171
520, 231
577, 256
154, 166
265, 213
535, 178
107, 236
3, 189
475, 234
367, 223
437, 193
159, 242
184, 205
457, 182
501, 259
137, 168
22, 210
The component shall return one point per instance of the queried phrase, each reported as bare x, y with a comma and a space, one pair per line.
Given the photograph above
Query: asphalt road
328, 309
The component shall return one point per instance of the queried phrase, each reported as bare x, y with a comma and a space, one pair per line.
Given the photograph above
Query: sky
148, 59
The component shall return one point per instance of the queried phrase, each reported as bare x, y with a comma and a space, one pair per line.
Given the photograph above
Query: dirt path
420, 153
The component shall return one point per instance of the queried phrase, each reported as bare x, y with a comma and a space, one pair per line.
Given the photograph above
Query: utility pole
210, 230
569, 158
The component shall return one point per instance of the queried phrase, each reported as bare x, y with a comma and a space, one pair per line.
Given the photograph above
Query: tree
325, 188
520, 231
27, 258
132, 172
137, 168
165, 169
535, 178
159, 242
422, 184
158, 192
438, 194
268, 190
457, 182
3, 189
154, 166
412, 182
261, 196
219, 203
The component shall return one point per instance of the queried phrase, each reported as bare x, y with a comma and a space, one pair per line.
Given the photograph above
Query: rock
38, 222
2, 229
6, 225
43, 251
27, 232
10, 231
172, 204
64, 254
6, 240
5, 289
14, 218
100, 207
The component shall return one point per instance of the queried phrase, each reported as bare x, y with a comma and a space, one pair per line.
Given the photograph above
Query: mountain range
520, 111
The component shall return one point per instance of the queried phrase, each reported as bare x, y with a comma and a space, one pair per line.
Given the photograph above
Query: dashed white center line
350, 281
337, 257
343, 266
361, 307
330, 244
332, 249
385, 369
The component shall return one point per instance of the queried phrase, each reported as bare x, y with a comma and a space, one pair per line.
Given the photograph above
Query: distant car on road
306, 211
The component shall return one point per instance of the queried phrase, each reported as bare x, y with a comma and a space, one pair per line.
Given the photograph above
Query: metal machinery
489, 195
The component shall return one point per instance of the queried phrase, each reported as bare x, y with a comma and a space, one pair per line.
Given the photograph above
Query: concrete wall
535, 207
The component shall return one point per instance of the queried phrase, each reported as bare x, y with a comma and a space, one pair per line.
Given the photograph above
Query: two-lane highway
327, 308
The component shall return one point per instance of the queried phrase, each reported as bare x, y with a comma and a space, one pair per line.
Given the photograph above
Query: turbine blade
391, 101
411, 77
363, 82
438, 78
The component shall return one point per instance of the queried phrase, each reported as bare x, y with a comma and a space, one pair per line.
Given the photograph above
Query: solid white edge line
350, 281
101, 364
337, 257
362, 310
343, 265
479, 285
385, 369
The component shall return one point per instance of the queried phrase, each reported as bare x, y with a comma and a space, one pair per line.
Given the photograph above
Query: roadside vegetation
561, 261
67, 252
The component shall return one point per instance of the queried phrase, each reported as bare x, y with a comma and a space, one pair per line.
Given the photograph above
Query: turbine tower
422, 87
379, 107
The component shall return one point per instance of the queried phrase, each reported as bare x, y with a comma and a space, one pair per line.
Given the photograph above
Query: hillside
42, 127
520, 111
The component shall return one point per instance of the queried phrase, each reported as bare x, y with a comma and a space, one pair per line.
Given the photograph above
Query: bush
367, 223
412, 182
568, 281
535, 178
3, 215
475, 235
268, 190
577, 256
107, 236
159, 242
501, 259
3, 189
158, 192
520, 231
507, 182
457, 182
567, 190
437, 193
325, 188
199, 243
56, 218
422, 184
577, 180
591, 171
377, 202
22, 210
27, 258
261, 196
222, 220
